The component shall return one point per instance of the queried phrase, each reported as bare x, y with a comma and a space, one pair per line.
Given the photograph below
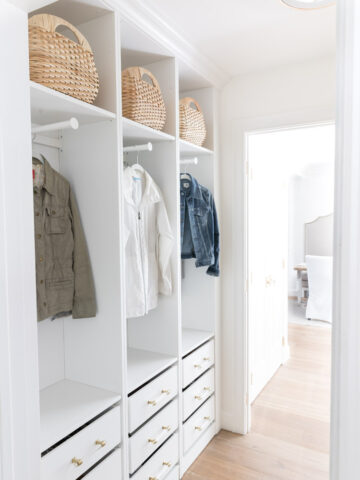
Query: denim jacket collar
195, 189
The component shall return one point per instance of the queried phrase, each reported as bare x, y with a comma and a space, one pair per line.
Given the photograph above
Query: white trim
150, 21
239, 418
345, 412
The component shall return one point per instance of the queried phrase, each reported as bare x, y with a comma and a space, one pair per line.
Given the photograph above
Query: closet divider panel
89, 160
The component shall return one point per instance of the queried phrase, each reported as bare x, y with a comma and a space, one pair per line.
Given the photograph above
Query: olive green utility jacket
64, 278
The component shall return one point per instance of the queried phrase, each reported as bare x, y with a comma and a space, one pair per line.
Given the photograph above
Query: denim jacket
199, 225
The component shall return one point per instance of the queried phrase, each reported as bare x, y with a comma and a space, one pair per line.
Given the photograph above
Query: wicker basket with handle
192, 123
142, 100
60, 63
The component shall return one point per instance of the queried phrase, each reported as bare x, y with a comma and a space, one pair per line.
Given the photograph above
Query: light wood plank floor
289, 439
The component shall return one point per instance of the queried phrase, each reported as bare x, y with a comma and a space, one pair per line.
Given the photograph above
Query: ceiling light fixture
309, 4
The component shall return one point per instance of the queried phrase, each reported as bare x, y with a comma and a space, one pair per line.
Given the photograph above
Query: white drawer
109, 469
174, 474
148, 439
198, 392
198, 423
160, 464
197, 362
59, 464
149, 399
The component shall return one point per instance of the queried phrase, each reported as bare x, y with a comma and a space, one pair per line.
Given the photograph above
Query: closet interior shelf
67, 405
188, 148
144, 365
136, 133
192, 339
50, 106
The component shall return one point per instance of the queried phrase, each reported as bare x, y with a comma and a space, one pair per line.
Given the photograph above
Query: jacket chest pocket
55, 220
201, 214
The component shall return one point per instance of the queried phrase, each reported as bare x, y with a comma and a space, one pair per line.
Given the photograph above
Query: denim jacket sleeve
84, 305
214, 269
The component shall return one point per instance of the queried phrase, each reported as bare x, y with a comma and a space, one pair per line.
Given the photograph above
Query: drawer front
72, 458
149, 399
197, 362
161, 464
198, 392
198, 423
109, 469
174, 474
148, 439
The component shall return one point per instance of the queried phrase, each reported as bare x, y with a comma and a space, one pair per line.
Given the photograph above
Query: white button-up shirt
148, 242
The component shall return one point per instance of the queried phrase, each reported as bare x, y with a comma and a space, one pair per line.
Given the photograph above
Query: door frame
242, 128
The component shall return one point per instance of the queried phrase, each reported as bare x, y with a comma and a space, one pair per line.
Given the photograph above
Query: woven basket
192, 123
142, 101
60, 63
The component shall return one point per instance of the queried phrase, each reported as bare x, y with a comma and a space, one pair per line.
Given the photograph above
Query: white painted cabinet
86, 395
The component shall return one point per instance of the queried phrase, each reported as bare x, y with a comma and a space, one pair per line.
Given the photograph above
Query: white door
267, 264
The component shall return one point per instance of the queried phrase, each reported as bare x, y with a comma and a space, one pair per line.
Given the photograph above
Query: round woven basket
192, 123
142, 100
60, 63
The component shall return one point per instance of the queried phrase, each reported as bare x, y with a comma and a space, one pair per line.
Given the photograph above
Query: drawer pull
163, 471
197, 365
77, 461
101, 443
207, 389
200, 427
163, 434
206, 359
198, 397
160, 397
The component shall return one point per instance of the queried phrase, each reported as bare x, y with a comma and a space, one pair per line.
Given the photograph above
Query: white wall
293, 94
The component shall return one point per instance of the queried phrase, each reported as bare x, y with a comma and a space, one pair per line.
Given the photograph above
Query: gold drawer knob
165, 391
77, 461
207, 389
206, 359
152, 402
198, 428
198, 397
152, 440
167, 464
206, 418
166, 427
197, 365
101, 443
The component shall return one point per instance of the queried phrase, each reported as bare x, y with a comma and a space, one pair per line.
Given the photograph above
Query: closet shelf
66, 406
134, 132
49, 106
191, 339
188, 148
144, 365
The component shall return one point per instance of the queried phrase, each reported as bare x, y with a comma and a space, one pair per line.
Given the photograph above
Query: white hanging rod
189, 161
146, 147
72, 123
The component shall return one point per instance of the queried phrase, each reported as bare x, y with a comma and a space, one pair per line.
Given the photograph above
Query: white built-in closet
118, 397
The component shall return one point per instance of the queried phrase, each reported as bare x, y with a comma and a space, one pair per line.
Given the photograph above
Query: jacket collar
151, 193
49, 182
195, 190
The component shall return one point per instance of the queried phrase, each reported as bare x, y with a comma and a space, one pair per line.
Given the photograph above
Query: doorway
290, 197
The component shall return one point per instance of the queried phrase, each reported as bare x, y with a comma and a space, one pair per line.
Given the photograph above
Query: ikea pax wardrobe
104, 397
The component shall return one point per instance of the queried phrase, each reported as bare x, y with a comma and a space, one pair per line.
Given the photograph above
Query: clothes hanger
185, 175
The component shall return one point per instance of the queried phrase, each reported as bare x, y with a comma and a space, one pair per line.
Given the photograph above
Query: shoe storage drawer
149, 399
197, 362
149, 437
160, 464
109, 469
195, 426
198, 392
77, 454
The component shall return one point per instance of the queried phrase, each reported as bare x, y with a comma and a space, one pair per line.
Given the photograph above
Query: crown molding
144, 16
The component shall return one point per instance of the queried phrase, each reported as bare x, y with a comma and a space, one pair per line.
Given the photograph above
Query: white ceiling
242, 36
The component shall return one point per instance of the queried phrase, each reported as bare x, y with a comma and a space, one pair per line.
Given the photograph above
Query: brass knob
77, 461
197, 365
207, 389
152, 440
198, 397
165, 391
166, 427
206, 359
101, 443
206, 418
167, 464
152, 402
198, 428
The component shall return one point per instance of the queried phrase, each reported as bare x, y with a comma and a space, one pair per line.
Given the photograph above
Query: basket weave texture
60, 63
142, 101
192, 123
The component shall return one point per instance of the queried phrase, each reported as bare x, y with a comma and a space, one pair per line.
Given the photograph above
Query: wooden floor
289, 439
